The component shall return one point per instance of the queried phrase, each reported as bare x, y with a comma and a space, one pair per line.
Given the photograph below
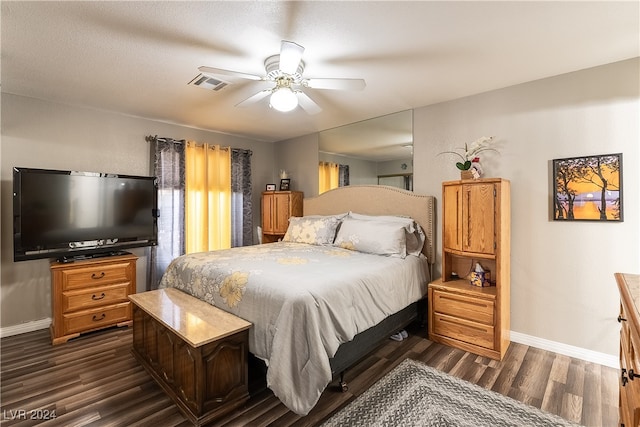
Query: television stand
91, 294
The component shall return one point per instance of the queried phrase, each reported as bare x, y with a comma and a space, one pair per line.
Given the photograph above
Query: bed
349, 273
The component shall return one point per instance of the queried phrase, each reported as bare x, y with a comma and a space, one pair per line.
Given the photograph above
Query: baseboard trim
23, 328
567, 350
556, 347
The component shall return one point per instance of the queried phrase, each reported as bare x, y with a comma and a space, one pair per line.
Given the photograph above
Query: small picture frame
271, 187
284, 184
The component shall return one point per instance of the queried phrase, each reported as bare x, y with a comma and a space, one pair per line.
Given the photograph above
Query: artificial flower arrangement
469, 157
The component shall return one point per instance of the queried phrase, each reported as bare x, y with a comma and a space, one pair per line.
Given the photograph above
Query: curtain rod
151, 138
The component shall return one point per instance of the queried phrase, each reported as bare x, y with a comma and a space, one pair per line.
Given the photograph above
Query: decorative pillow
415, 236
314, 230
373, 237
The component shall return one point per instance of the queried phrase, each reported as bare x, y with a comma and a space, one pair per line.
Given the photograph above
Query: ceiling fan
284, 71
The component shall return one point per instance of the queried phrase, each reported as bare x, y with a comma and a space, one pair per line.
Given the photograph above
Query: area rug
414, 394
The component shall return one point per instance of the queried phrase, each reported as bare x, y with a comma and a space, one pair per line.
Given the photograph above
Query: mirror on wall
404, 181
377, 151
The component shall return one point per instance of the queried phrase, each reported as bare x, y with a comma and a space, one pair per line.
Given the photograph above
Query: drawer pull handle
632, 375
97, 319
95, 276
97, 298
621, 319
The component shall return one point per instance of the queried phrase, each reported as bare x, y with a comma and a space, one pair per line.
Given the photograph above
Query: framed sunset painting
588, 188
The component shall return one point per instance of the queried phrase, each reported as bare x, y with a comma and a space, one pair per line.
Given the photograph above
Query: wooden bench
196, 352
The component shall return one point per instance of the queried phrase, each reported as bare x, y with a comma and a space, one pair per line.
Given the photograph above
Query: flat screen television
69, 215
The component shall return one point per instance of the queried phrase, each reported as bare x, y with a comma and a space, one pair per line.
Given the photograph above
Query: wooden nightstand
463, 316
475, 229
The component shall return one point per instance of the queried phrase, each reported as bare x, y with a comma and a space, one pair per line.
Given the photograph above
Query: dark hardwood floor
95, 380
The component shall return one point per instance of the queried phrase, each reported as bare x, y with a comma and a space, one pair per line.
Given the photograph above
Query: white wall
394, 167
299, 157
53, 136
562, 285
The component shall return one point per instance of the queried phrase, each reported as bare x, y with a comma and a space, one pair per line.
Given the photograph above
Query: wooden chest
196, 352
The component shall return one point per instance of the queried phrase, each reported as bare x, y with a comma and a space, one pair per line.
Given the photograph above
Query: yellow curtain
329, 176
207, 198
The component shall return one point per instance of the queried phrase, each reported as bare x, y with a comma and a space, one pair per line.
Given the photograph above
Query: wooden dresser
91, 294
475, 229
277, 208
629, 318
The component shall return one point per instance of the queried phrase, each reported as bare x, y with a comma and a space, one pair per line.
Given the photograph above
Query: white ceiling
138, 57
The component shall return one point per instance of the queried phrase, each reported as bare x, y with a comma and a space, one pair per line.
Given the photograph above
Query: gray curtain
343, 175
241, 206
168, 167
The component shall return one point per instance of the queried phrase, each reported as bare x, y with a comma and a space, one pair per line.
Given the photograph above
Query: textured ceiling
137, 58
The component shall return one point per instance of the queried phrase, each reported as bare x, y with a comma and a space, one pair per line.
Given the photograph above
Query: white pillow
314, 230
373, 237
414, 237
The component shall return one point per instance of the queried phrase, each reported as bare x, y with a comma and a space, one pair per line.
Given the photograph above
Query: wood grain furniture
196, 352
629, 318
277, 208
91, 294
475, 229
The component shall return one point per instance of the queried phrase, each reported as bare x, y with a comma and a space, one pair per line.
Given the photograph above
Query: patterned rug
414, 394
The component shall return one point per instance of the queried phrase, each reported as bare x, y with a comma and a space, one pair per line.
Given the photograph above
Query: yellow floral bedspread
303, 300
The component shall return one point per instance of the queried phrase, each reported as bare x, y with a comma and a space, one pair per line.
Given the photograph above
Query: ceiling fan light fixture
283, 99
285, 70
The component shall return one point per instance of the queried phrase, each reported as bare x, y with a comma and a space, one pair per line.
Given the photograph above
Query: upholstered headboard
378, 200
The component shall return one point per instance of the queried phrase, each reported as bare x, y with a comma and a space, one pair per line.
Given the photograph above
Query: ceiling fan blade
254, 98
220, 72
290, 56
307, 103
335, 84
